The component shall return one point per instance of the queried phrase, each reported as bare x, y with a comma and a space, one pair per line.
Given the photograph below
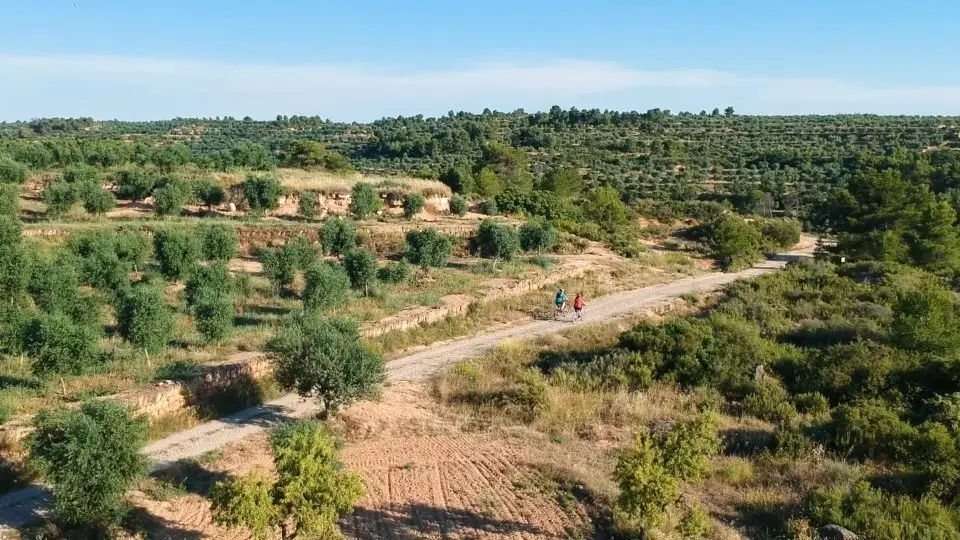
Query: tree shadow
258, 309
765, 518
248, 321
190, 476
743, 442
212, 399
420, 520
8, 382
139, 521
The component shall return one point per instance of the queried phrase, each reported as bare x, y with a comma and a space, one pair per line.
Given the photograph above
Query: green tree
177, 251
81, 174
325, 358
15, 261
488, 184
924, 319
99, 202
9, 200
326, 286
307, 206
302, 251
13, 172
563, 181
217, 242
538, 235
733, 241
134, 184
458, 179
511, 166
606, 208
144, 319
496, 240
458, 206
339, 236
311, 492
262, 193
210, 193
395, 272
211, 280
361, 268
728, 111
59, 346
364, 201
170, 199
90, 458
59, 197
413, 204
168, 158
428, 248
213, 315
280, 267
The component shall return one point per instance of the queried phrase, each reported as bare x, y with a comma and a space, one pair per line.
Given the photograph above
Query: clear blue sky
363, 60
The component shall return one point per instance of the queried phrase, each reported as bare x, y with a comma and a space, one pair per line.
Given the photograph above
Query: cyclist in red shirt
578, 306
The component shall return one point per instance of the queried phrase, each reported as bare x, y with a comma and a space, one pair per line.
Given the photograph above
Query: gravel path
22, 507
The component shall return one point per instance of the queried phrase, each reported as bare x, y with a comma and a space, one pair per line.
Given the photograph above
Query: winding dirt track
23, 507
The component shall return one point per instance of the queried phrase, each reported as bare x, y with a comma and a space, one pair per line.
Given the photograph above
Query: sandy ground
22, 507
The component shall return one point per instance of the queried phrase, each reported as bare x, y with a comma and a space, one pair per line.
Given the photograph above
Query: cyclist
578, 306
561, 301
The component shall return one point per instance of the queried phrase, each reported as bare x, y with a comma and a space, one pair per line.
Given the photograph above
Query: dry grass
329, 183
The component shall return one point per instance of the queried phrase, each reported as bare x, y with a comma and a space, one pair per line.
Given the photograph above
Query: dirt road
22, 507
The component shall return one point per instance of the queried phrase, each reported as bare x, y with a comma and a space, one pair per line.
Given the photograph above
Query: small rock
836, 532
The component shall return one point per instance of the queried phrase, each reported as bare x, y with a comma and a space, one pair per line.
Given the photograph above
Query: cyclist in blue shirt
560, 300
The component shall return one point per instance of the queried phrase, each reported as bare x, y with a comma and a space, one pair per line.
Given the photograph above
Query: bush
339, 236
99, 202
209, 192
361, 268
311, 492
9, 200
134, 184
812, 403
59, 197
13, 172
395, 272
733, 241
428, 248
496, 240
490, 207
780, 233
307, 206
170, 199
280, 267
262, 193
327, 286
364, 201
90, 458
870, 429
144, 320
217, 242
177, 252
458, 206
413, 204
538, 235
59, 346
769, 401
326, 359
213, 315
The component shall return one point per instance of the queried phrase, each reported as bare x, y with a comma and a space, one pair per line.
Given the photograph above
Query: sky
364, 60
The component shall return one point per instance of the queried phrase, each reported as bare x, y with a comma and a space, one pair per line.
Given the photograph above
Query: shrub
733, 241
177, 252
870, 429
361, 268
458, 206
144, 320
538, 235
280, 267
364, 201
213, 315
428, 248
780, 233
99, 202
311, 491
134, 184
339, 236
812, 403
326, 286
413, 204
307, 206
59, 197
769, 401
395, 272
490, 207
13, 172
90, 458
496, 240
169, 199
60, 346
326, 359
262, 193
9, 200
217, 242
209, 192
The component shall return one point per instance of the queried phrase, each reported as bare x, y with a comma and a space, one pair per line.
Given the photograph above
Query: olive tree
144, 320
169, 199
208, 280
364, 200
99, 202
428, 248
13, 172
458, 206
326, 286
309, 496
307, 205
413, 204
134, 184
217, 242
496, 240
213, 316
262, 193
9, 200
177, 251
90, 458
280, 267
339, 236
59, 197
538, 235
209, 192
59, 346
361, 268
325, 358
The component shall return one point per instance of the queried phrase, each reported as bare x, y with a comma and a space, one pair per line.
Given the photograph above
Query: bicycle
560, 311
